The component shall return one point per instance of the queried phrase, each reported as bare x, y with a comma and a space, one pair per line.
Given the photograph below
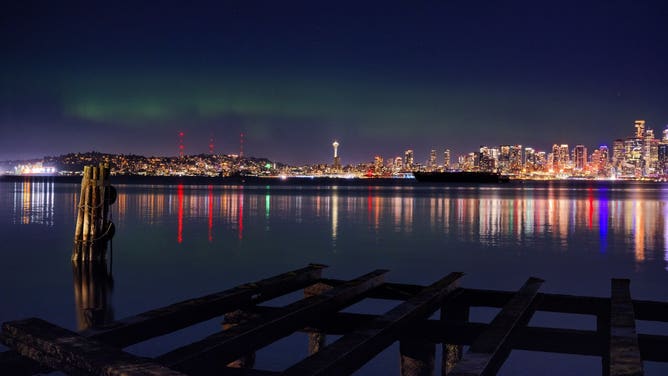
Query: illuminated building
432, 160
529, 159
560, 160
398, 164
580, 157
618, 154
515, 159
446, 159
662, 154
378, 164
599, 161
504, 157
409, 160
337, 160
485, 162
650, 153
640, 128
541, 160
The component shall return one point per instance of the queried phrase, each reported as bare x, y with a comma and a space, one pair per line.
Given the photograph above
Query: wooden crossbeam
487, 350
65, 350
143, 326
167, 319
224, 347
353, 350
624, 357
560, 303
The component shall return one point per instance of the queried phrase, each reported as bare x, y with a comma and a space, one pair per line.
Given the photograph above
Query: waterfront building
580, 157
515, 159
485, 161
560, 159
432, 164
504, 157
409, 163
398, 164
446, 159
529, 159
378, 164
618, 155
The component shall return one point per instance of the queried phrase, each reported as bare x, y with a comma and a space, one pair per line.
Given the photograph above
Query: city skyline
126, 77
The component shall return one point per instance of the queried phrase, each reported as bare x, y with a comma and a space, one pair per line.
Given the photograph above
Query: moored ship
460, 177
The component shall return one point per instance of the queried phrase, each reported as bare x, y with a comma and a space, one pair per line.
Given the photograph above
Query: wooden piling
93, 226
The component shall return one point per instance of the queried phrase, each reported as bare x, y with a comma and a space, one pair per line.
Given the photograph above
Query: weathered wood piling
93, 227
250, 326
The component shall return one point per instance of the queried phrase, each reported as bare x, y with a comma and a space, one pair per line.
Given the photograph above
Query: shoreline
309, 181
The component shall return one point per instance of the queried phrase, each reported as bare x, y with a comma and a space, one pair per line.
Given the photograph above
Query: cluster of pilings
94, 228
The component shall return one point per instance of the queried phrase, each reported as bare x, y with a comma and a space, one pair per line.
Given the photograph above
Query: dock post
417, 357
452, 353
93, 228
233, 319
92, 294
316, 339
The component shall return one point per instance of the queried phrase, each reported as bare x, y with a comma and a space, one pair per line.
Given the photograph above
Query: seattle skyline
126, 78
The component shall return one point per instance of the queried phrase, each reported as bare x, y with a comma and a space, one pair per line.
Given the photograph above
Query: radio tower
241, 145
181, 147
211, 144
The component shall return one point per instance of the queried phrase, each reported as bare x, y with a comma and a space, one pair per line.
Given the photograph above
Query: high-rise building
662, 153
432, 160
529, 159
504, 157
446, 159
398, 164
618, 153
601, 161
409, 160
580, 157
640, 128
541, 160
378, 164
560, 160
485, 161
515, 159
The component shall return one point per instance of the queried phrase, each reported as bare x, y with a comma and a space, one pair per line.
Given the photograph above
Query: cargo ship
460, 177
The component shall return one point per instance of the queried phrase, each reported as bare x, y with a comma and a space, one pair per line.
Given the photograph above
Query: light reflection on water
491, 216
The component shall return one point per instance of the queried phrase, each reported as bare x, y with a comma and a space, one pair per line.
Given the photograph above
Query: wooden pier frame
93, 228
39, 346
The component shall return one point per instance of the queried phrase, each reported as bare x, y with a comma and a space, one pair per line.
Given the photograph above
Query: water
177, 242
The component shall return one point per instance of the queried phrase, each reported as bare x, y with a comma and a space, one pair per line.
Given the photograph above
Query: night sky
380, 77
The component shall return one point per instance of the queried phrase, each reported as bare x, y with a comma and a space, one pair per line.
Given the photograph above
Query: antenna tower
181, 146
241, 145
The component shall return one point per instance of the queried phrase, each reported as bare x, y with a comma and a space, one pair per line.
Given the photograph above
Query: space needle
337, 161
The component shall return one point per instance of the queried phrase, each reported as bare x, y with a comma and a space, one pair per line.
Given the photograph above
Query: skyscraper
529, 159
640, 128
515, 159
580, 157
408, 160
560, 158
446, 159
432, 160
618, 153
378, 164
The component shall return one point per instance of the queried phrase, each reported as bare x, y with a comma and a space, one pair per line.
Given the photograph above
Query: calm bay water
176, 242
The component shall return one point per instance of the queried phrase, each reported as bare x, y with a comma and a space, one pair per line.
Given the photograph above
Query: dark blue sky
380, 77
